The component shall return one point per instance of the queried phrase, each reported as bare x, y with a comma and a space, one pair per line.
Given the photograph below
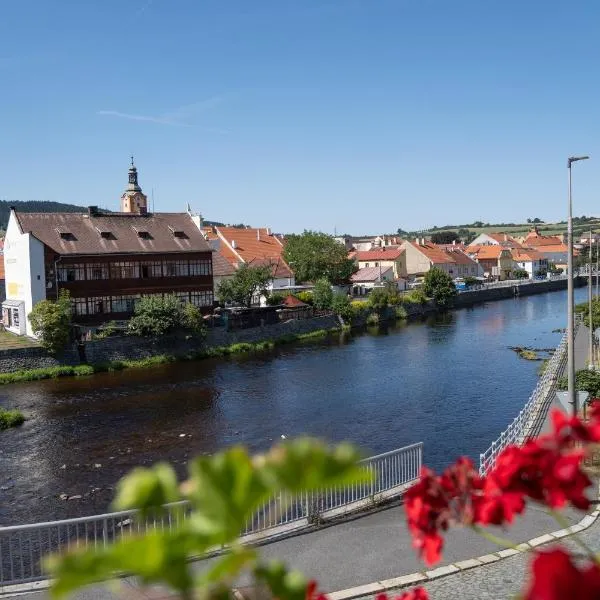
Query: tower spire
133, 200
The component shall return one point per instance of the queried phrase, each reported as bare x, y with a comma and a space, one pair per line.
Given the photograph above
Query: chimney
258, 234
505, 237
233, 244
92, 211
269, 231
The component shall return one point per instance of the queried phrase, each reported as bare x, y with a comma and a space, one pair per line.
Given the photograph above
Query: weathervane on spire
132, 160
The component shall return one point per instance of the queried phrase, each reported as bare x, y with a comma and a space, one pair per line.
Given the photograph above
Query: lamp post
591, 341
570, 296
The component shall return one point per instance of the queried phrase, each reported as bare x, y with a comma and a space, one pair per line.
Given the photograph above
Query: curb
421, 577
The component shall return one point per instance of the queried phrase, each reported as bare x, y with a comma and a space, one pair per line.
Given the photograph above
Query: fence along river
450, 382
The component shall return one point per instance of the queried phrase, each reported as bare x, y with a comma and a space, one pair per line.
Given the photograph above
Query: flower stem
500, 541
562, 521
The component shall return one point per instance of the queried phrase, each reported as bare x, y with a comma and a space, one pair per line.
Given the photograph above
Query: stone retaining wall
17, 359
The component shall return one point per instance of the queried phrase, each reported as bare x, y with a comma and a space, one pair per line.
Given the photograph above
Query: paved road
377, 546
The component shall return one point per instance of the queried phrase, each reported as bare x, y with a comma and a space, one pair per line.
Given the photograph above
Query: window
75, 272
124, 304
99, 305
176, 268
200, 267
124, 270
184, 297
376, 264
97, 271
203, 298
15, 319
79, 306
366, 265
149, 269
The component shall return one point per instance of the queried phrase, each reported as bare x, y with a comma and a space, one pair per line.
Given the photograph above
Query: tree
51, 322
322, 294
157, 315
378, 298
444, 237
314, 255
520, 274
439, 286
342, 306
246, 283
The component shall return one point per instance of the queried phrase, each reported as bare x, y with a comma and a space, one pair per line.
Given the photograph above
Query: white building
25, 276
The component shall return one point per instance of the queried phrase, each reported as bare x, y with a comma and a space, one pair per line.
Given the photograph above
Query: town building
106, 261
364, 280
496, 239
384, 257
530, 260
495, 260
552, 247
364, 244
254, 246
421, 256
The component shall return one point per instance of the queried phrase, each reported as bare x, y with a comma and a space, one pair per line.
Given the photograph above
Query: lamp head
573, 159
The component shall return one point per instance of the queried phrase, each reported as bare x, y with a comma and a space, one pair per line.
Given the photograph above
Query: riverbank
206, 351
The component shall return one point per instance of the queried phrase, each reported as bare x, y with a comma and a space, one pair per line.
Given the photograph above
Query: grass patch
160, 359
10, 418
12, 340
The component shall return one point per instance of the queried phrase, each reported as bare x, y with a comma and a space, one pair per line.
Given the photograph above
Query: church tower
133, 200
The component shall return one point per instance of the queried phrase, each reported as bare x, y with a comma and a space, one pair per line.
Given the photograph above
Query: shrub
276, 298
158, 315
106, 331
520, 274
322, 294
401, 312
305, 296
378, 298
10, 418
192, 319
416, 296
341, 306
51, 322
373, 319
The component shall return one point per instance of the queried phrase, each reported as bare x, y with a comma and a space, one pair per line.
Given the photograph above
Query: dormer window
65, 234
105, 233
143, 234
178, 233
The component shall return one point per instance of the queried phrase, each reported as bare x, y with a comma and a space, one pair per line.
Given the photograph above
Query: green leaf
228, 567
147, 489
225, 489
284, 584
306, 464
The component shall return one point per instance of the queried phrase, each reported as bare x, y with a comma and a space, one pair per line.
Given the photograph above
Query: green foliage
470, 280
51, 322
416, 296
341, 306
584, 309
305, 296
520, 274
107, 330
445, 237
373, 319
223, 492
246, 283
10, 418
322, 294
158, 315
439, 285
191, 318
314, 255
585, 381
401, 312
378, 299
276, 298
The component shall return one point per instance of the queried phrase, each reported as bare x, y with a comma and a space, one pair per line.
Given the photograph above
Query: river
450, 381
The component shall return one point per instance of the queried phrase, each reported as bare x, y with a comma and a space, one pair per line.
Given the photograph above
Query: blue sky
360, 115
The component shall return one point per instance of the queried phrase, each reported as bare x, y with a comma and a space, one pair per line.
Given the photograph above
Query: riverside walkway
377, 546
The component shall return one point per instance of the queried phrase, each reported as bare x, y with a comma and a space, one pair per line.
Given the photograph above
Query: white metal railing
521, 427
23, 547
510, 283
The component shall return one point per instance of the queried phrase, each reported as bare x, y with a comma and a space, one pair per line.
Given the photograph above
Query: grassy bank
10, 418
160, 359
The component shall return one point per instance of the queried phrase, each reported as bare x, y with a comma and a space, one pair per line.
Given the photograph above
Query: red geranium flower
415, 594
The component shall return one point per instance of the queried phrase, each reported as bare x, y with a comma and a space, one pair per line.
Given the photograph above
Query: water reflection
449, 381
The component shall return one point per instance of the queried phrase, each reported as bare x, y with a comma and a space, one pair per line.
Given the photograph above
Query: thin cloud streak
175, 118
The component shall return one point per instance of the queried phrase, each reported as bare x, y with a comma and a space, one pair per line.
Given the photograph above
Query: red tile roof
502, 237
293, 302
486, 252
221, 266
439, 255
80, 233
526, 255
379, 254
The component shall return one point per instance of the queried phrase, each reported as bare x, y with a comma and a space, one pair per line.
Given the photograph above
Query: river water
451, 382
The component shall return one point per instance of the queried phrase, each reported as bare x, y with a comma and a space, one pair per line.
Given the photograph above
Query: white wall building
25, 277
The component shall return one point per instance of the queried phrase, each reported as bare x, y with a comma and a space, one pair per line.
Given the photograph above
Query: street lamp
570, 301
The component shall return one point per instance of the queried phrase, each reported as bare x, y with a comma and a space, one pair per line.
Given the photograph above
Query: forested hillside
34, 206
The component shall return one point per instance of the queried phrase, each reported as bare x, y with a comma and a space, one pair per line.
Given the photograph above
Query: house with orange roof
496, 260
530, 260
385, 257
254, 246
553, 247
421, 256
499, 238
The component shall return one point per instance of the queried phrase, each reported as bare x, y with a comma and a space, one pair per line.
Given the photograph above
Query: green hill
34, 206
